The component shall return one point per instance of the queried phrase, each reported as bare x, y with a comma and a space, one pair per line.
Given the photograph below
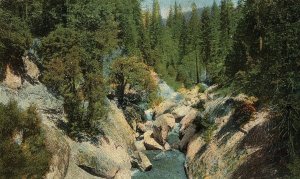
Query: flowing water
167, 93
166, 164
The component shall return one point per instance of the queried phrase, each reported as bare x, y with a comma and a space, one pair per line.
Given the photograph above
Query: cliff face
109, 158
244, 142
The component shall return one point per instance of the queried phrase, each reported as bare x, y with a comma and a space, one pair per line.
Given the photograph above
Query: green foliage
208, 133
59, 42
198, 45
69, 71
227, 25
156, 25
131, 74
27, 156
264, 60
15, 38
294, 168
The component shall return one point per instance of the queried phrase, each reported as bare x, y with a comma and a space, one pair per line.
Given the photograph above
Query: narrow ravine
167, 163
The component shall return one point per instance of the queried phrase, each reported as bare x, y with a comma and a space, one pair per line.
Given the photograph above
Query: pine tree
178, 21
170, 20
156, 25
227, 25
145, 45
216, 64
193, 29
205, 41
183, 41
193, 37
215, 33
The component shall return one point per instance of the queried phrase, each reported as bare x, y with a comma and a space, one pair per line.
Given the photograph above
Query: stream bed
166, 165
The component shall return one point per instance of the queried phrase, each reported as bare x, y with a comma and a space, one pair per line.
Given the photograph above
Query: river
166, 164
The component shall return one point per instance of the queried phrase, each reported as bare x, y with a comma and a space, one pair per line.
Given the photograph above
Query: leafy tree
133, 74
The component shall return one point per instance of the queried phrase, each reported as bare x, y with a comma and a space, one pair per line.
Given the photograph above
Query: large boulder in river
180, 111
145, 127
160, 134
139, 145
187, 136
150, 143
165, 120
145, 163
173, 136
164, 107
162, 126
188, 119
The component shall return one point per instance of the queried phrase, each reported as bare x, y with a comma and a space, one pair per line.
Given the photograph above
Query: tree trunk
197, 69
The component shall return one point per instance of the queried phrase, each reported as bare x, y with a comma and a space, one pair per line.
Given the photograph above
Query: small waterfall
167, 93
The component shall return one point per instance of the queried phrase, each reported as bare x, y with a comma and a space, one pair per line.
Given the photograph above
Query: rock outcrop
188, 119
232, 148
60, 151
117, 128
12, 80
31, 69
104, 160
110, 158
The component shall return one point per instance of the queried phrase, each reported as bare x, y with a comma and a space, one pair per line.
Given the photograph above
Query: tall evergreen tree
156, 25
170, 20
216, 64
227, 25
205, 41
178, 21
215, 33
193, 34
